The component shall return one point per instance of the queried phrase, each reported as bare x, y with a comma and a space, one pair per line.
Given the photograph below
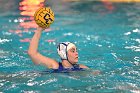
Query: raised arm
36, 57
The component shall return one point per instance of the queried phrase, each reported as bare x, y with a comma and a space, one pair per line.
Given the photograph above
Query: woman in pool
66, 50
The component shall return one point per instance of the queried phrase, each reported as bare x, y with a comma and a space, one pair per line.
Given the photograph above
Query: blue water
107, 36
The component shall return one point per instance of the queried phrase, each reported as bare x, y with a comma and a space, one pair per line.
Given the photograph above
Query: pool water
107, 36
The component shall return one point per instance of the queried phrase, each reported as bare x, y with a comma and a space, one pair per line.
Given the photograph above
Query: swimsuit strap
60, 66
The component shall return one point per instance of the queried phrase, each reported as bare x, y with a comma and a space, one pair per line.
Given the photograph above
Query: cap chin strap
73, 65
69, 62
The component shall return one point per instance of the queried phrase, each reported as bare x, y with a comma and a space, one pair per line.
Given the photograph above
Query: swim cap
63, 48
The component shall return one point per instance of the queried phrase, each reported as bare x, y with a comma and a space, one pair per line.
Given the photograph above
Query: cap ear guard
61, 49
63, 55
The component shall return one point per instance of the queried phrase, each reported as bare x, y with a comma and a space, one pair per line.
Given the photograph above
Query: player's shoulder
55, 64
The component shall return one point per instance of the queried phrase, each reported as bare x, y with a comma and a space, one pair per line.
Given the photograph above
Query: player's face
73, 55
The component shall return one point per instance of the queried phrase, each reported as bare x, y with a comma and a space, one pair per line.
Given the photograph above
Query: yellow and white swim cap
63, 48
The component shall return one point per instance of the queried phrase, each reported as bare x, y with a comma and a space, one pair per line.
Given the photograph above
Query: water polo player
66, 50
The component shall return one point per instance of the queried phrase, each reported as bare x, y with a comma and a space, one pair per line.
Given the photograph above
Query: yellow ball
44, 17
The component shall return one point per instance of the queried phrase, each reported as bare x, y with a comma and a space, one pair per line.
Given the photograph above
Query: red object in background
108, 5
